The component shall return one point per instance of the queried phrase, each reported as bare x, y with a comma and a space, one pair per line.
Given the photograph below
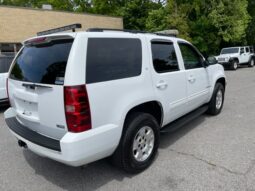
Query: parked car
235, 56
80, 97
5, 62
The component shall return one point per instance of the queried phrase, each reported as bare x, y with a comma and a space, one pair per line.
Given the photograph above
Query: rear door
36, 85
169, 79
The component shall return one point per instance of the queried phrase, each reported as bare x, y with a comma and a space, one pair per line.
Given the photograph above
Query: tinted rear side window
45, 63
164, 57
113, 58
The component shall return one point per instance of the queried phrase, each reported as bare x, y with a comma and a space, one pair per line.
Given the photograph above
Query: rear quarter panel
110, 101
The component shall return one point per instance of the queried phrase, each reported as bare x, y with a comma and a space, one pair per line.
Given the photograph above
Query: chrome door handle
161, 85
191, 79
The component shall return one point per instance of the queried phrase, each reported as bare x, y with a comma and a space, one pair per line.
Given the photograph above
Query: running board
184, 120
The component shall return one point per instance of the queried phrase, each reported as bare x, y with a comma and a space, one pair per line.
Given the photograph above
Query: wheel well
222, 81
153, 107
235, 59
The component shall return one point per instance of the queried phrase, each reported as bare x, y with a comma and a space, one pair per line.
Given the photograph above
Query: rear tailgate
36, 82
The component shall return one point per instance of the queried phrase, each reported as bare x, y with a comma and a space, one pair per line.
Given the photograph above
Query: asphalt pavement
211, 153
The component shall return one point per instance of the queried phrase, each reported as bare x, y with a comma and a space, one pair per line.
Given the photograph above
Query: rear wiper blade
33, 86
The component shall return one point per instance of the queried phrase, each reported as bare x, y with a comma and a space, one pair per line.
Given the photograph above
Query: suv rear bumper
32, 136
75, 149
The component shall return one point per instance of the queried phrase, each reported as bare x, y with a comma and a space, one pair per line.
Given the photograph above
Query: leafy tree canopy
208, 24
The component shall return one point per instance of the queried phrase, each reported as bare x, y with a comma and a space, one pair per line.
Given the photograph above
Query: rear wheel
217, 100
139, 143
251, 63
234, 64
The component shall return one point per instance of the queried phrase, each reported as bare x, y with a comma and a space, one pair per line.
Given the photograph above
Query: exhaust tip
22, 144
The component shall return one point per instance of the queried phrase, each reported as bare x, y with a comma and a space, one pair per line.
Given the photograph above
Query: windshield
229, 50
44, 63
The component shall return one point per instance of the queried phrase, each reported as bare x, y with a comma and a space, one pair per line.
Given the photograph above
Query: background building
18, 24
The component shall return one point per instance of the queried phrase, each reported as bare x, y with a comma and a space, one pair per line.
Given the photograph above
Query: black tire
123, 157
251, 63
234, 64
212, 106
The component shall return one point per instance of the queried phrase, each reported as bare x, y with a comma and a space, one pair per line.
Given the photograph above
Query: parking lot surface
211, 153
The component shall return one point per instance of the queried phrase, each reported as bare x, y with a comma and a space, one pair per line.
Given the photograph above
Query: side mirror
211, 60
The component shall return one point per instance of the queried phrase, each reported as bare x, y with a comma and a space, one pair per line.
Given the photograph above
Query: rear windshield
229, 50
44, 63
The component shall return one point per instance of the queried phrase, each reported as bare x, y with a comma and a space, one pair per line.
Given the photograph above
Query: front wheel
234, 65
251, 63
139, 143
217, 100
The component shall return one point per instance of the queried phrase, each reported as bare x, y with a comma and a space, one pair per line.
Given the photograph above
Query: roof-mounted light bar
60, 29
172, 32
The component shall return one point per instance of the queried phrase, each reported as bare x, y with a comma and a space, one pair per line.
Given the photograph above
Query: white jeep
83, 96
235, 56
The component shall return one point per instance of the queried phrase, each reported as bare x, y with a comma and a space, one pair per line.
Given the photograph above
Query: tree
250, 32
157, 20
171, 16
209, 24
136, 12
230, 19
57, 4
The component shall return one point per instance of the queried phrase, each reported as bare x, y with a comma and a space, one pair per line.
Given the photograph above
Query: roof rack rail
160, 33
109, 29
61, 29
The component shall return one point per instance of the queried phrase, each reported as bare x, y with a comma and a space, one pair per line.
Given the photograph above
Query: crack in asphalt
250, 167
210, 163
221, 167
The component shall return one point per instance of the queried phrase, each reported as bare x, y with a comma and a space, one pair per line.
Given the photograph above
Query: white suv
235, 56
80, 97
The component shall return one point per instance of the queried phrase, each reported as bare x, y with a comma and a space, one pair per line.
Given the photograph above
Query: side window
251, 48
241, 50
164, 57
190, 56
113, 58
247, 49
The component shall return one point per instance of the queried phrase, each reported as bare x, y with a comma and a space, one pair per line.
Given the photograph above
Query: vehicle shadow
97, 174
239, 67
89, 177
4, 107
167, 139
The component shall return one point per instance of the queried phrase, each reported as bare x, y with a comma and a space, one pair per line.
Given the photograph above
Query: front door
242, 56
196, 75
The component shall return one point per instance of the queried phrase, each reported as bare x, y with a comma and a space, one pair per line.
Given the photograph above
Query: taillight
77, 108
37, 41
